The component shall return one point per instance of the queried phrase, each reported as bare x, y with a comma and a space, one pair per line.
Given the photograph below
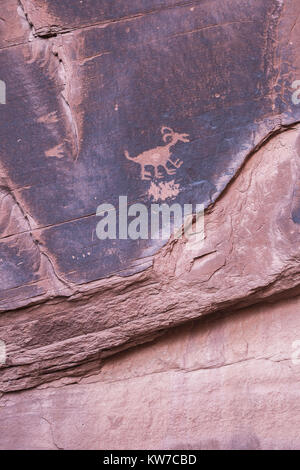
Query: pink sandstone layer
218, 383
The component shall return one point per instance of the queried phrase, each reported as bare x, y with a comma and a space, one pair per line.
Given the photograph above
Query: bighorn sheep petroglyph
161, 155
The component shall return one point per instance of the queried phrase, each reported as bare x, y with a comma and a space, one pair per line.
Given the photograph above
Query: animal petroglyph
161, 155
163, 190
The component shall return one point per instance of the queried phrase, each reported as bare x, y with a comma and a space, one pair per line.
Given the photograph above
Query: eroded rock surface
229, 382
95, 90
89, 82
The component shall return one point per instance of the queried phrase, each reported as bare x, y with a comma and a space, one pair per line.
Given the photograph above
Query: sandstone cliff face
159, 101
225, 382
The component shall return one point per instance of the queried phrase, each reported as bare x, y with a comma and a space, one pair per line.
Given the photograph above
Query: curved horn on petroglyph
167, 132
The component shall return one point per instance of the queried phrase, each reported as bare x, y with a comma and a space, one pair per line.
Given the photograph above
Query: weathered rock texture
226, 382
91, 85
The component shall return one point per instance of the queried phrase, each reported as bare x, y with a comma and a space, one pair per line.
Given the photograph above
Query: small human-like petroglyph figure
161, 155
2, 92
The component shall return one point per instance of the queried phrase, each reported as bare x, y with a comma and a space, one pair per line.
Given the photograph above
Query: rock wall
142, 342
230, 381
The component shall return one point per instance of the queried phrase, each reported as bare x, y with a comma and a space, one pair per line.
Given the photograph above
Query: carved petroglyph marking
50, 118
161, 155
163, 191
57, 151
